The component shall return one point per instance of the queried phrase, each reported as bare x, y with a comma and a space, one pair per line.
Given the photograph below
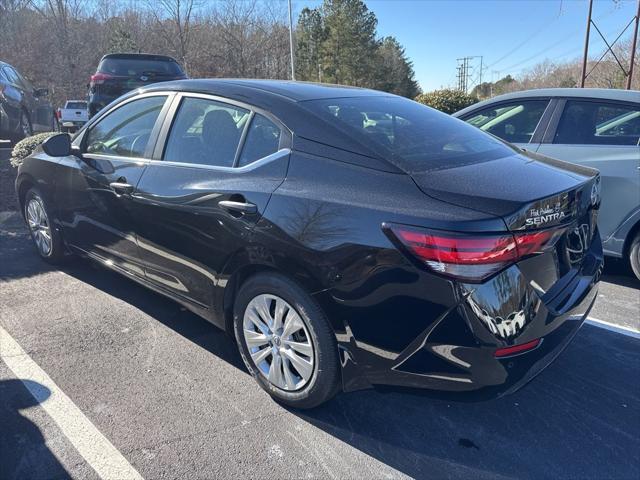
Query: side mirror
41, 92
58, 145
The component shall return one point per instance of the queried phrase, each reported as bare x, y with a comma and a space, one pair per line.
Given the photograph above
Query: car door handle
121, 188
243, 207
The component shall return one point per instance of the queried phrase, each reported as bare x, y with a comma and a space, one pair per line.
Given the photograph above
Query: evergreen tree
336, 43
348, 52
395, 71
310, 35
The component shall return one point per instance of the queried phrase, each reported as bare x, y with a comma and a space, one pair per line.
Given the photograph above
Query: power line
553, 45
628, 74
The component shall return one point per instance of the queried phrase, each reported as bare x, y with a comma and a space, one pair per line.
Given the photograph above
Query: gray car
593, 127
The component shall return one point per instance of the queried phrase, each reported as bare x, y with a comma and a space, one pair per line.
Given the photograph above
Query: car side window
263, 139
598, 123
205, 132
126, 131
514, 122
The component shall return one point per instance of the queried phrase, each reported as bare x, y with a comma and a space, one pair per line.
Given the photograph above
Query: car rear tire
286, 341
634, 255
45, 235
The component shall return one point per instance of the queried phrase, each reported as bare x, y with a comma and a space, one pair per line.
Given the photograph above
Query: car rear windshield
137, 67
76, 105
412, 136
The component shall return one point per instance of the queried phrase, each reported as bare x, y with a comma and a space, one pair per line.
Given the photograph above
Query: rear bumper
454, 355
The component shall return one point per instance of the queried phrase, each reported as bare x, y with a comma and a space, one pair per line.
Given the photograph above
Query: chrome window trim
283, 152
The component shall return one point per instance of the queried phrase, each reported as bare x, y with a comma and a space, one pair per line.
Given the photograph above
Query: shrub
447, 100
25, 147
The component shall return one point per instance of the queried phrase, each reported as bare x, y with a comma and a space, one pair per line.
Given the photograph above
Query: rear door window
598, 123
514, 122
263, 139
206, 132
125, 131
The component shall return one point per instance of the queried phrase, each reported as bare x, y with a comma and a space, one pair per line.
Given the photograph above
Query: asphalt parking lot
168, 391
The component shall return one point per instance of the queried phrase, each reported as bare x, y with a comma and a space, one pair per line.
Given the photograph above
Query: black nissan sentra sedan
348, 238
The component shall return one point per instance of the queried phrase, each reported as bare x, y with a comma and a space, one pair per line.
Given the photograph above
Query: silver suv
592, 127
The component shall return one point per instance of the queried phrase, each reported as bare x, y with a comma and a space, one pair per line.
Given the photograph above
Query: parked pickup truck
73, 116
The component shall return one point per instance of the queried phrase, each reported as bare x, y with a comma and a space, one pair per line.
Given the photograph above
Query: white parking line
612, 327
94, 447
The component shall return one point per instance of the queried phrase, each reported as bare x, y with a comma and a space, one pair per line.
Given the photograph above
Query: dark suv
24, 109
119, 73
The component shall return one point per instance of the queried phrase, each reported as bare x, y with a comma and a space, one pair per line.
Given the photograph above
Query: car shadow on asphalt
23, 448
579, 418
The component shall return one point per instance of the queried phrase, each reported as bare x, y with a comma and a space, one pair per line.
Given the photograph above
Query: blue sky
512, 35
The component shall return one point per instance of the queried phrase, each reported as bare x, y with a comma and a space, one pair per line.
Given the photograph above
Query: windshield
138, 67
412, 136
76, 105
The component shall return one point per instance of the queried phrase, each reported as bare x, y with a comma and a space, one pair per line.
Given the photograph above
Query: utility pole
583, 76
634, 42
293, 68
463, 73
635, 20
465, 69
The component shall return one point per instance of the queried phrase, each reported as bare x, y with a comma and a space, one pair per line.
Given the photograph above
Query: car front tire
286, 341
44, 233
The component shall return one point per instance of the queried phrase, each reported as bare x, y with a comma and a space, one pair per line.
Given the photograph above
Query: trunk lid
509, 186
529, 192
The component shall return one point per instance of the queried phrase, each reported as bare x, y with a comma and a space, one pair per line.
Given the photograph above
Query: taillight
465, 256
99, 78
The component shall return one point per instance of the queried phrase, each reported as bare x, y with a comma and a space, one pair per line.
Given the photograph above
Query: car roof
284, 89
594, 93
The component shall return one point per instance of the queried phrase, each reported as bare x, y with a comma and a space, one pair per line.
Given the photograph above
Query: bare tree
178, 16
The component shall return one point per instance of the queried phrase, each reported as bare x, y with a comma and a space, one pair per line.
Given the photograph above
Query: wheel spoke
32, 214
255, 339
39, 211
289, 380
255, 319
260, 355
262, 307
46, 240
304, 367
300, 347
275, 372
281, 307
292, 324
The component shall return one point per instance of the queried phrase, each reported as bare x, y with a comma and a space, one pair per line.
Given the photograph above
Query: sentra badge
546, 214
